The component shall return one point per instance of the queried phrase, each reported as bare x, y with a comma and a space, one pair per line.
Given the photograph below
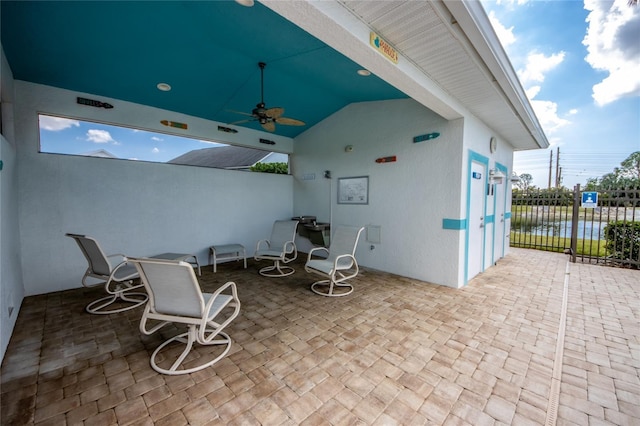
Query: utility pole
560, 177
558, 168
550, 167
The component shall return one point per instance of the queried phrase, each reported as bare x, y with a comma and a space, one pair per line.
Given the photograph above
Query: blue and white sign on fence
589, 200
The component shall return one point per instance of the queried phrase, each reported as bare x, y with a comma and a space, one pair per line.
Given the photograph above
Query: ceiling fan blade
269, 126
274, 112
289, 121
239, 112
243, 121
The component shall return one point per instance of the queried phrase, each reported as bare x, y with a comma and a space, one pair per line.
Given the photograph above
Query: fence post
574, 222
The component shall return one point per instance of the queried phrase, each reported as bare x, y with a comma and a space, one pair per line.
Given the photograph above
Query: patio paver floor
396, 351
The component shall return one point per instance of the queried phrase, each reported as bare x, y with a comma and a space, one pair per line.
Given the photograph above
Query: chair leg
133, 300
282, 271
332, 285
189, 338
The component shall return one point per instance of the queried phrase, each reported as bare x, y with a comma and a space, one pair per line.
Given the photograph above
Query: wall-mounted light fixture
496, 176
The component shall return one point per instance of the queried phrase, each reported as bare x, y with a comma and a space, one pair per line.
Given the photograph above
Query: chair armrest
341, 257
266, 242
289, 247
234, 303
107, 285
121, 256
143, 322
229, 285
316, 249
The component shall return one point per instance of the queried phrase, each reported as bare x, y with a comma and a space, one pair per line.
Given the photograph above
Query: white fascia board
474, 23
335, 25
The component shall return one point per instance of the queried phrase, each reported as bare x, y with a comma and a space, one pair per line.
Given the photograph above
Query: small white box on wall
373, 234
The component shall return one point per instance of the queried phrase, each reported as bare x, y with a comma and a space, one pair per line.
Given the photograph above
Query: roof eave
475, 24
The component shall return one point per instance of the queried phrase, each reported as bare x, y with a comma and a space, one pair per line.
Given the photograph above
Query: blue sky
63, 135
579, 63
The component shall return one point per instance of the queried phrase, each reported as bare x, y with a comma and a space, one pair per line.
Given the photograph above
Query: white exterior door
476, 231
500, 225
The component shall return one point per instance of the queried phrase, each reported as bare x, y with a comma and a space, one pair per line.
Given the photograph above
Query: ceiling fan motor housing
268, 117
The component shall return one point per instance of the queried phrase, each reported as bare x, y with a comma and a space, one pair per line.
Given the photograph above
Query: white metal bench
228, 252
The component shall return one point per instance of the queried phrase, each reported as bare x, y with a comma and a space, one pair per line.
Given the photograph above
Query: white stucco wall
476, 141
11, 285
408, 198
136, 208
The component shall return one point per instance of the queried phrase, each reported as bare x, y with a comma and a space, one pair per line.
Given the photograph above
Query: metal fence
554, 220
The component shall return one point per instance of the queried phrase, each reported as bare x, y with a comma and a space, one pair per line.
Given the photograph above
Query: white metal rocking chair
175, 297
280, 248
118, 276
339, 265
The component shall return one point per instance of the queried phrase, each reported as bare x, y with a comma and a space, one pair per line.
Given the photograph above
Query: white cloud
505, 35
155, 150
156, 138
533, 91
55, 124
547, 113
612, 44
511, 2
538, 65
99, 136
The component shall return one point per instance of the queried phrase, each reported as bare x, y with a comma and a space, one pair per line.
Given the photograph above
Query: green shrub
623, 240
278, 168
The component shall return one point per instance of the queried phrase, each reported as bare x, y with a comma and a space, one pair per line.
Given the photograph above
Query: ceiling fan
268, 117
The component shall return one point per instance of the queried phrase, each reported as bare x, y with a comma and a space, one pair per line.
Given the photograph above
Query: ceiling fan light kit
268, 117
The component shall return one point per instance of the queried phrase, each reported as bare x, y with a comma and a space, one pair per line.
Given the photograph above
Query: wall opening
63, 135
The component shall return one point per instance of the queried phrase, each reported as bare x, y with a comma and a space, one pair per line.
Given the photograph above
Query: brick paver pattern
395, 352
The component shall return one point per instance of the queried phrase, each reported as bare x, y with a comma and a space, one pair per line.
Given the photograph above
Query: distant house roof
224, 157
99, 153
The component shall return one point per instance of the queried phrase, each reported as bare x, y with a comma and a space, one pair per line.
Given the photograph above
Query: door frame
474, 157
502, 169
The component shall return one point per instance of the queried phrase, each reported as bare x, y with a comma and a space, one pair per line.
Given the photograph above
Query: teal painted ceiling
208, 51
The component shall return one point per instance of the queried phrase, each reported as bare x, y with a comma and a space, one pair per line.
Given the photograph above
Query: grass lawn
557, 244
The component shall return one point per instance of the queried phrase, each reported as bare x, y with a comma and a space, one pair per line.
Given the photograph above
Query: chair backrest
344, 241
98, 262
172, 287
283, 231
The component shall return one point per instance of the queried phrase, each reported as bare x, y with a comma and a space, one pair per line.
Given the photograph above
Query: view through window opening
62, 135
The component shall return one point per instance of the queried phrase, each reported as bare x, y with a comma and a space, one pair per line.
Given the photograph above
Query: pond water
586, 229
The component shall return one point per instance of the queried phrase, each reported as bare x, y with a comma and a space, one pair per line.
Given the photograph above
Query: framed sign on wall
353, 190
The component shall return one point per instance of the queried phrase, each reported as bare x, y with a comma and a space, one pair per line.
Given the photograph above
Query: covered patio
396, 351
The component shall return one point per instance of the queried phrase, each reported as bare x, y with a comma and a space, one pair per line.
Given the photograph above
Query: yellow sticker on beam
383, 47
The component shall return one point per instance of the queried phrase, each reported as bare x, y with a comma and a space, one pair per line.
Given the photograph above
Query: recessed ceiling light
364, 73
245, 3
164, 87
